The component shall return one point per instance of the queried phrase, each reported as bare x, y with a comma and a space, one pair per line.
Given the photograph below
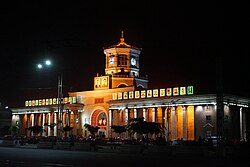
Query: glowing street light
48, 62
60, 96
39, 66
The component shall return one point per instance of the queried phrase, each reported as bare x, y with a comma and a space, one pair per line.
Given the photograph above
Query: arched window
102, 119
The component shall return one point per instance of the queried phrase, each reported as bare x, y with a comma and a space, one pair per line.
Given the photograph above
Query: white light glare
48, 62
40, 66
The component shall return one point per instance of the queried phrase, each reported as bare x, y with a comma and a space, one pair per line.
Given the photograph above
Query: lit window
122, 60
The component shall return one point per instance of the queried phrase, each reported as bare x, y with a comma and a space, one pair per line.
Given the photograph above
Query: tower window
122, 60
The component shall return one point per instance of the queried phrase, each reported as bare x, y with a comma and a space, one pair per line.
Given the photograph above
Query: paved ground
29, 155
23, 157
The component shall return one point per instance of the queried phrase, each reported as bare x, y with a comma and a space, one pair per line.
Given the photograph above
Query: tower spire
122, 39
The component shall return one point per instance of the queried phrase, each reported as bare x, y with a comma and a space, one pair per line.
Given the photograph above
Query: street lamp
60, 103
59, 95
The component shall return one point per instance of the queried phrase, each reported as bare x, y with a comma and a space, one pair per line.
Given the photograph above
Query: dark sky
180, 44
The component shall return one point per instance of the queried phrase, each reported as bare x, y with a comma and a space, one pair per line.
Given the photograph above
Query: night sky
180, 44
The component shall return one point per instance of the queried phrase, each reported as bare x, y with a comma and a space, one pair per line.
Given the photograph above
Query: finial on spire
122, 39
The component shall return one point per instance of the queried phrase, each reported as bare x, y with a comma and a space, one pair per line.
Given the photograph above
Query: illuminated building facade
122, 93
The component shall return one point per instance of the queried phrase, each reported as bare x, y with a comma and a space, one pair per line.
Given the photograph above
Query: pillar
55, 122
173, 124
48, 124
110, 122
32, 122
126, 116
144, 114
28, 123
135, 113
43, 122
153, 114
185, 137
241, 125
163, 116
67, 117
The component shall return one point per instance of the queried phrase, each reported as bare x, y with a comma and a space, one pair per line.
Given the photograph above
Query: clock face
133, 61
111, 60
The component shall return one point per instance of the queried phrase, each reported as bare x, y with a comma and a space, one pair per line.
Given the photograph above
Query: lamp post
59, 97
60, 104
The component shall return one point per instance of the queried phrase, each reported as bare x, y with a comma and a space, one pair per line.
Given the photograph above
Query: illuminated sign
125, 95
131, 95
190, 90
162, 92
51, 101
119, 95
182, 90
176, 91
101, 82
155, 93
143, 93
169, 91
137, 94
149, 93
114, 96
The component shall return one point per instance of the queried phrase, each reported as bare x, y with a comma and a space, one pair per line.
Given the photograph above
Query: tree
92, 129
51, 126
14, 130
138, 125
118, 129
36, 129
67, 128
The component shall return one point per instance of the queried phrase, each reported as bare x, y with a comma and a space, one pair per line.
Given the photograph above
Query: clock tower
122, 65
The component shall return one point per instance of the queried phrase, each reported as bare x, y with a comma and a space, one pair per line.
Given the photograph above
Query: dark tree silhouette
118, 129
92, 129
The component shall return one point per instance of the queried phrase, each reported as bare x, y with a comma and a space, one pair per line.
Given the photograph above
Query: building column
32, 122
244, 125
163, 116
168, 116
48, 124
185, 137
55, 122
173, 124
153, 114
67, 117
135, 113
28, 124
126, 116
126, 120
144, 114
241, 125
43, 122
76, 120
118, 116
135, 116
110, 122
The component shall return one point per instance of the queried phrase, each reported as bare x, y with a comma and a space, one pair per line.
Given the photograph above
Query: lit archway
99, 118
